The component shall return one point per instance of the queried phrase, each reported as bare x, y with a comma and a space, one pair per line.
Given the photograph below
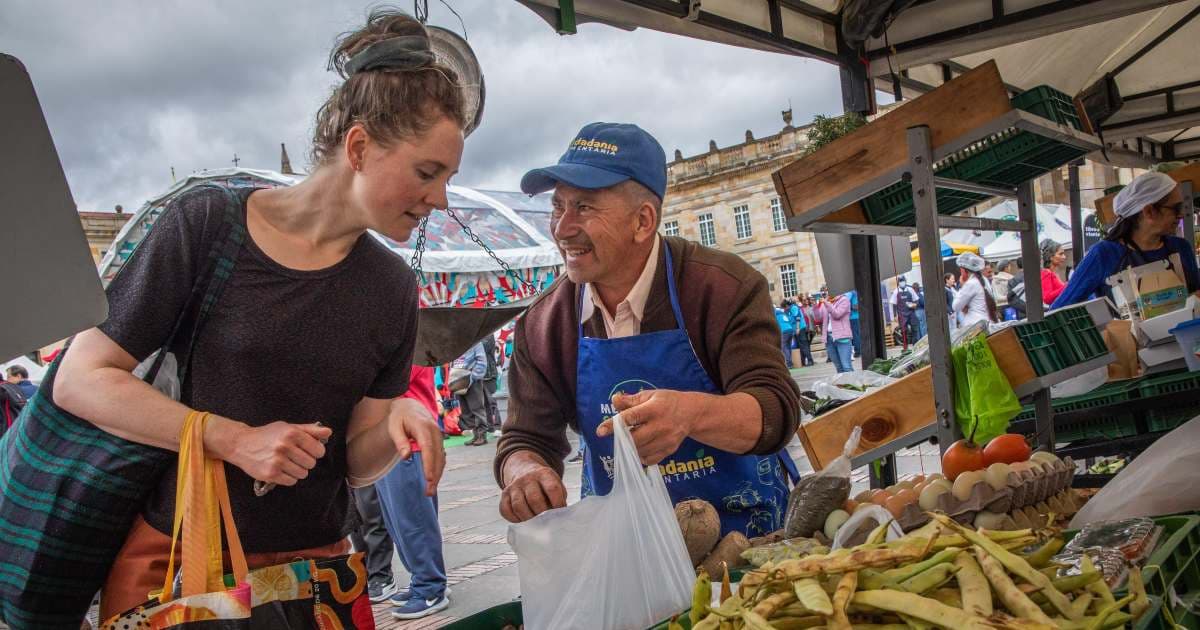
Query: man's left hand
658, 420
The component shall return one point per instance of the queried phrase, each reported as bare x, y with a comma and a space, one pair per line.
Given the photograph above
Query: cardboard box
1152, 289
1157, 330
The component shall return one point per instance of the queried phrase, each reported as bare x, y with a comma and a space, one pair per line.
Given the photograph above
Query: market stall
985, 545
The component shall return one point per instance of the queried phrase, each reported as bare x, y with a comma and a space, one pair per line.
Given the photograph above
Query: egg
907, 495
880, 497
996, 475
863, 496
942, 482
964, 483
850, 505
896, 505
929, 496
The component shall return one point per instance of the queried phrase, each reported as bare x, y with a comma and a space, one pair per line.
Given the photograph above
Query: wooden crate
886, 414
953, 109
1010, 356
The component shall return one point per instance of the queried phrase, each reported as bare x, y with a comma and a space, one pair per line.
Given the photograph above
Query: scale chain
419, 249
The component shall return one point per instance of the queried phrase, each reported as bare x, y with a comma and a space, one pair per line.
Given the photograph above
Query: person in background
472, 401
787, 330
1148, 212
835, 313
919, 312
490, 378
904, 303
855, 327
372, 538
974, 301
18, 376
803, 330
1016, 289
411, 514
1054, 260
1001, 279
989, 272
12, 401
951, 287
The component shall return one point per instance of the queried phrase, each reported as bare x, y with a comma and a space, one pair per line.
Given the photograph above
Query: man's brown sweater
730, 321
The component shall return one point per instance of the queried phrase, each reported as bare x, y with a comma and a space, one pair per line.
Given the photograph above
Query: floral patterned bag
327, 594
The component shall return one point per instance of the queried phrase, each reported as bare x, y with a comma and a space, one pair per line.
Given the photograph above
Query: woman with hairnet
1148, 212
974, 302
1054, 258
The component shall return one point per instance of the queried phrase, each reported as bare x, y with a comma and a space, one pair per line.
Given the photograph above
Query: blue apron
748, 491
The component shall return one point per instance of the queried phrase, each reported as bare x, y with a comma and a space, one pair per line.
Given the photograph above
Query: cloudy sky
134, 88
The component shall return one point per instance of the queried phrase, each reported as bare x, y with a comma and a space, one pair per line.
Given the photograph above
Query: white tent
1053, 222
456, 270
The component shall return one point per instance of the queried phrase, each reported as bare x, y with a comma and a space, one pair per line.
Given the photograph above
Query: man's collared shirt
627, 321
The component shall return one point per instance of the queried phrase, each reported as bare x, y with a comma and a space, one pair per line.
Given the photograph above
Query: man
679, 339
489, 384
411, 514
18, 376
802, 331
787, 330
904, 301
855, 327
472, 366
372, 538
919, 312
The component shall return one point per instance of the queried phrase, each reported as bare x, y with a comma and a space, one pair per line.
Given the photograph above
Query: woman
951, 287
1054, 258
835, 313
314, 333
974, 302
1148, 212
783, 317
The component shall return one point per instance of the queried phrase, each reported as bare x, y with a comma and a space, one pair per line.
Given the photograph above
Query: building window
671, 228
708, 232
741, 221
787, 279
778, 220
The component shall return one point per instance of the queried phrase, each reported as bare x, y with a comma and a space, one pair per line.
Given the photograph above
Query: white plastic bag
1162, 480
609, 562
167, 379
862, 382
876, 515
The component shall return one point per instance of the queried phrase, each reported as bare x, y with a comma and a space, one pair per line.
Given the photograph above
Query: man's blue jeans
412, 520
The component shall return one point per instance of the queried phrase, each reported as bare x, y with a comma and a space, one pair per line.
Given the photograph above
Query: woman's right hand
281, 452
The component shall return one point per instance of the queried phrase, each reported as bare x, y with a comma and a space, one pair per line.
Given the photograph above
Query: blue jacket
784, 320
473, 360
798, 316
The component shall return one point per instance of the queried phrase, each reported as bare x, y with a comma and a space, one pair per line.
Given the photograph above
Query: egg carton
1027, 487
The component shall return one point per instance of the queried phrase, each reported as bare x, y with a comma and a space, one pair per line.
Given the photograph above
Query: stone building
101, 228
726, 199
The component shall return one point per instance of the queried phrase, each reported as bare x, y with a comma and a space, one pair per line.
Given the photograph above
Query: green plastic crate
1169, 419
494, 618
1038, 342
1050, 104
1173, 383
1006, 159
1075, 333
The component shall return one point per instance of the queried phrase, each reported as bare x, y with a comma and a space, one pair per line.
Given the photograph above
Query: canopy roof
515, 226
1148, 45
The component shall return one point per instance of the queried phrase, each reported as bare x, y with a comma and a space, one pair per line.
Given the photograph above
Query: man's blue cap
604, 155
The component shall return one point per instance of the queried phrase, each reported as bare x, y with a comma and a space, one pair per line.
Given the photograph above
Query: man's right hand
531, 487
281, 453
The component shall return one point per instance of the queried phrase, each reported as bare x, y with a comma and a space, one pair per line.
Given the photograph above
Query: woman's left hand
410, 420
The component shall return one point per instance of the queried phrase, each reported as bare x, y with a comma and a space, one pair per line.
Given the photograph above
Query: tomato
1009, 448
962, 456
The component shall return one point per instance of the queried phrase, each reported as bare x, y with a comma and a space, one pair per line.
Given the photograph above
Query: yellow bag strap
202, 500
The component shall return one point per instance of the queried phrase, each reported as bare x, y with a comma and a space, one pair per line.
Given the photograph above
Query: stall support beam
1189, 211
920, 164
865, 254
1031, 261
1076, 215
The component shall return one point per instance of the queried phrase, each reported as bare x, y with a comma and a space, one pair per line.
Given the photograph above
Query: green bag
984, 401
